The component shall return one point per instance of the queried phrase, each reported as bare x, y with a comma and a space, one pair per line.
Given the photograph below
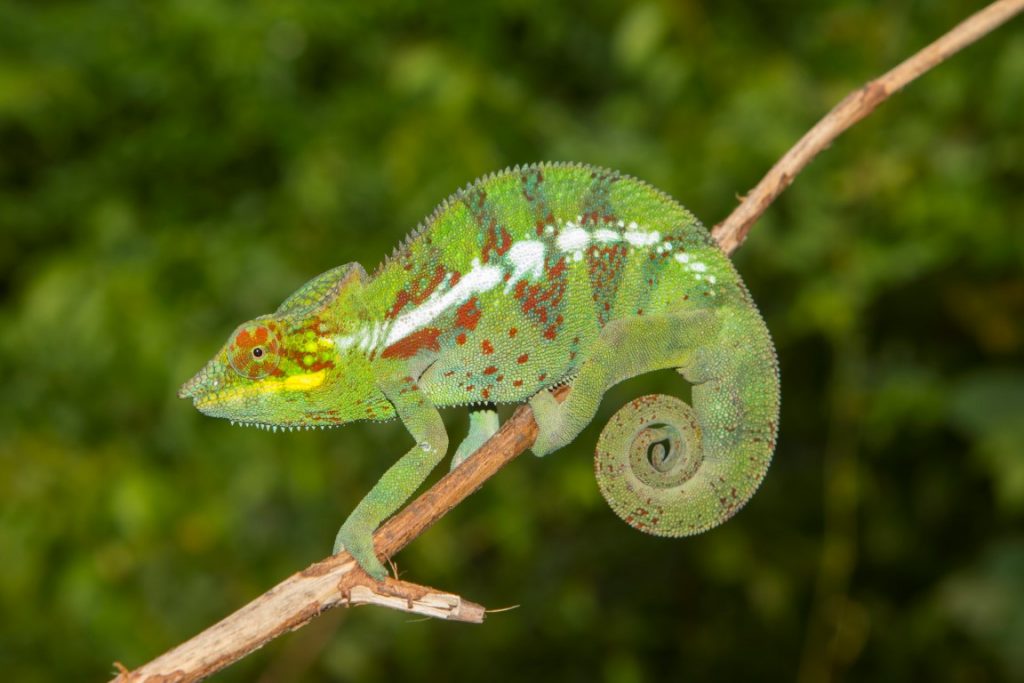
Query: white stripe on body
524, 259
479, 279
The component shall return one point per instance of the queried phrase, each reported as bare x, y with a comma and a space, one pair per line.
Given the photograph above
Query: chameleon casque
524, 280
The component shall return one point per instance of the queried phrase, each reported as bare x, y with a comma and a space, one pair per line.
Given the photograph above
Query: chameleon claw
361, 551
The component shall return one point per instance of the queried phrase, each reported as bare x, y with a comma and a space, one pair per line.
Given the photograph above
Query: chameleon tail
670, 469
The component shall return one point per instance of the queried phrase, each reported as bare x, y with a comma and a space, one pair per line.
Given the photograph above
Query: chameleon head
258, 377
286, 370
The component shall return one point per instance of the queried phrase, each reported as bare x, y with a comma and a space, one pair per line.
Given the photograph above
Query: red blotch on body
418, 292
461, 339
410, 345
490, 370
523, 358
487, 347
401, 299
436, 279
468, 315
497, 240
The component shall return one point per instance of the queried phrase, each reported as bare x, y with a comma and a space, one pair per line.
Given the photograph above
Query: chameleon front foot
359, 545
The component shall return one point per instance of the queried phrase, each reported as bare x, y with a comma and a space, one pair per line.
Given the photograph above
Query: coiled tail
671, 469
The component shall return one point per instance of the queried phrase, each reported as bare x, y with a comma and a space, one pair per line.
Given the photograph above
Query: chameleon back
512, 278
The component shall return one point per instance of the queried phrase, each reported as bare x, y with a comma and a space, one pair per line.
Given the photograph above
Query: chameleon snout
188, 389
205, 382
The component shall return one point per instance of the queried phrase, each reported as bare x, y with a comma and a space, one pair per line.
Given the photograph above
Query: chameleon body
523, 280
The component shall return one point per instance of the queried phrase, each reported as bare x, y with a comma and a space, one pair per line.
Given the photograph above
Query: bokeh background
171, 168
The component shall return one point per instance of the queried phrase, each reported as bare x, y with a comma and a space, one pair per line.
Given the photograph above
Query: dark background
169, 169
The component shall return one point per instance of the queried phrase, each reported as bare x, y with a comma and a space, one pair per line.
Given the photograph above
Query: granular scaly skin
521, 281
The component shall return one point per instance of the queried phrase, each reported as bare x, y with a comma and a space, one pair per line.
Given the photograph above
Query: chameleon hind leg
663, 466
625, 348
401, 480
483, 424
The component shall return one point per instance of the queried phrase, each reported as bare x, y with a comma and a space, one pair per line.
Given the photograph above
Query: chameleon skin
521, 281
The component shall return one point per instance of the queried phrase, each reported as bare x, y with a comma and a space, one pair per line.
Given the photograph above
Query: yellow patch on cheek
304, 382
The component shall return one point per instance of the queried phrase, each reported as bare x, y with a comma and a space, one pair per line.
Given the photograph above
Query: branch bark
731, 232
339, 581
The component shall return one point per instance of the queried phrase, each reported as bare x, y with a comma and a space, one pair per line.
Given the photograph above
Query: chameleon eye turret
519, 282
255, 350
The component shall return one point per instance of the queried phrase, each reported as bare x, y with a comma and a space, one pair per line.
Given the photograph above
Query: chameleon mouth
190, 389
204, 384
206, 397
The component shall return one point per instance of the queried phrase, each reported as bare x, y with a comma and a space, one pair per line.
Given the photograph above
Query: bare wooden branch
731, 232
339, 581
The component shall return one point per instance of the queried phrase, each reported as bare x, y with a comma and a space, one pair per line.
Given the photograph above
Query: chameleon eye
254, 351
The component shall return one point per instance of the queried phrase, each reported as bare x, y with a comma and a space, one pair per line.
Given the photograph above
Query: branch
338, 580
731, 232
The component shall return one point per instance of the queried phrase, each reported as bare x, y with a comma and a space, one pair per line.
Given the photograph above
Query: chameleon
526, 279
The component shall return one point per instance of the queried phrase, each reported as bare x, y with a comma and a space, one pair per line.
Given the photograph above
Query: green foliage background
171, 168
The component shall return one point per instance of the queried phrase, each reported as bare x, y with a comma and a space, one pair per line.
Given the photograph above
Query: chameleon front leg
424, 423
483, 424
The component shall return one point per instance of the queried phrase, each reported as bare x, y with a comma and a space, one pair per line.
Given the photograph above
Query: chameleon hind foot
547, 413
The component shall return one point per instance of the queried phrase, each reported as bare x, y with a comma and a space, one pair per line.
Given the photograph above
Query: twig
338, 580
731, 232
